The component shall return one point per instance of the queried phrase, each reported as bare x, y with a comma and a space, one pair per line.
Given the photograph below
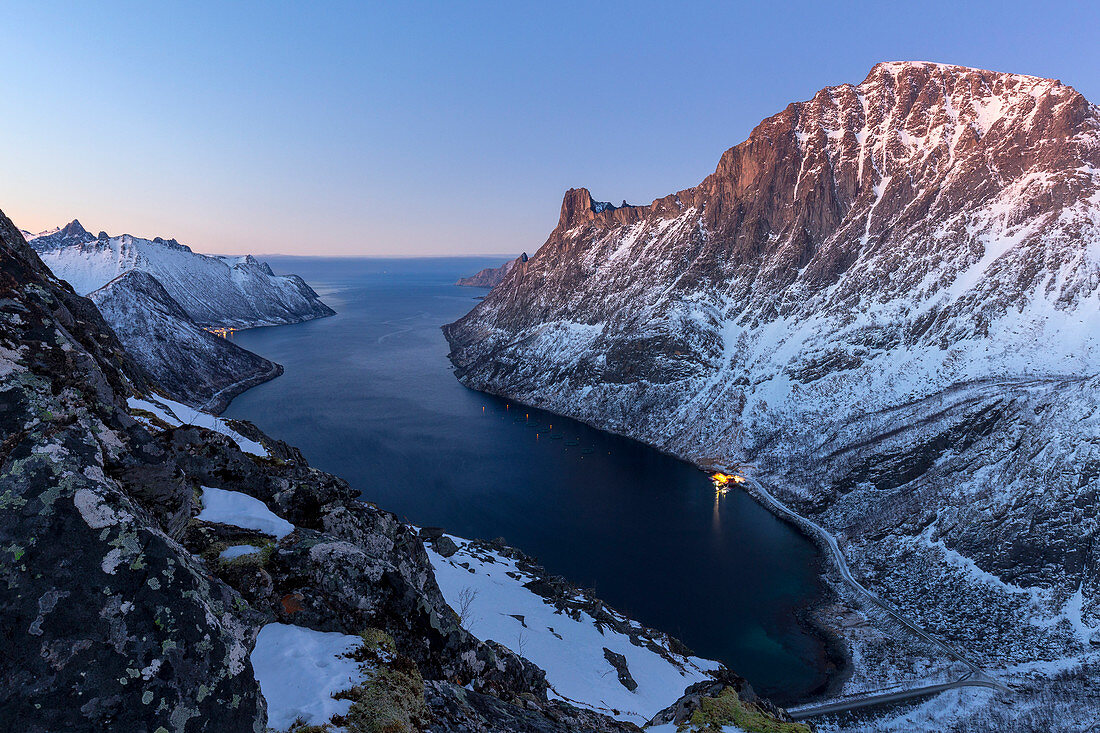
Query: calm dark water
369, 395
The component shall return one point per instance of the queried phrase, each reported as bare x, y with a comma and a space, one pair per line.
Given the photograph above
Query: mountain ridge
190, 363
234, 292
490, 277
869, 299
162, 299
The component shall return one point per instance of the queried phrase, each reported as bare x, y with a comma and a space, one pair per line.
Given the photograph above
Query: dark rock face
110, 625
191, 364
459, 709
490, 277
618, 661
885, 300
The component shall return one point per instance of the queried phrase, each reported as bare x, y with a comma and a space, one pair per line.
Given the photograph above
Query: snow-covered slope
588, 662
189, 362
237, 292
158, 412
888, 300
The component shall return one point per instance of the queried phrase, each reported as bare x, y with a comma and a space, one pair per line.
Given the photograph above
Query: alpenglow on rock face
238, 292
887, 300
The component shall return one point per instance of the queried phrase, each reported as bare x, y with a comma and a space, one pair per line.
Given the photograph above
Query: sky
414, 129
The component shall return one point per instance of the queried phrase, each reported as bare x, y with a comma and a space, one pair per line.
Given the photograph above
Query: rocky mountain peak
73, 229
576, 207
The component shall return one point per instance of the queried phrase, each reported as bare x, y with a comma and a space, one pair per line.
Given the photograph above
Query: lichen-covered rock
109, 623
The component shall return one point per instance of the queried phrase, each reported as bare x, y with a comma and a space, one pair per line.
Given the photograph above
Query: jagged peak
895, 68
971, 81
576, 203
578, 206
73, 229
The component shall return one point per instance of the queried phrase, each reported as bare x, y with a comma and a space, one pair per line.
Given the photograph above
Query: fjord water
369, 395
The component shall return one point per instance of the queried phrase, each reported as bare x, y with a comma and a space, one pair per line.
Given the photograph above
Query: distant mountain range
886, 301
235, 292
490, 277
163, 300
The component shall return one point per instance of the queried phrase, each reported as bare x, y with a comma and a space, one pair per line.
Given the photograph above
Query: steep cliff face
490, 277
887, 300
190, 363
238, 292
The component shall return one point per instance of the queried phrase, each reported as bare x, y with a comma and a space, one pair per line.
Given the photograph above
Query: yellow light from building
722, 481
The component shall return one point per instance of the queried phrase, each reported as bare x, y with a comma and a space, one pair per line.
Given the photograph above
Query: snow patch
241, 510
299, 670
571, 651
176, 414
238, 551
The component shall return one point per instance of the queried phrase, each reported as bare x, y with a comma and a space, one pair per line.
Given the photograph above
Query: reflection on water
369, 395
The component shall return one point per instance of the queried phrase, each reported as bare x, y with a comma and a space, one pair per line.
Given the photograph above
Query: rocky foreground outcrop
886, 301
119, 614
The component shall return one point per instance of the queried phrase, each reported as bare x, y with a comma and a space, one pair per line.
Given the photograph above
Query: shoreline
834, 653
219, 402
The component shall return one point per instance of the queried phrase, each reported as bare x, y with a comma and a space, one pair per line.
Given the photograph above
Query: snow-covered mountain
237, 292
490, 277
887, 299
188, 361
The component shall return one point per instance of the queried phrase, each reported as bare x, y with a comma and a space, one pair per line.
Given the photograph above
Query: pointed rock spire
73, 229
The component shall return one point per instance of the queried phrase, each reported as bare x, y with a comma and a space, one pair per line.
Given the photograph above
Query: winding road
974, 677
882, 698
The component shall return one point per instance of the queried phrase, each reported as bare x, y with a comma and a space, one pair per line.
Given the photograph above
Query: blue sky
422, 128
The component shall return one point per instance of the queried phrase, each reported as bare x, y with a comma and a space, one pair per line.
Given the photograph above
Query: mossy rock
375, 642
392, 700
727, 709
